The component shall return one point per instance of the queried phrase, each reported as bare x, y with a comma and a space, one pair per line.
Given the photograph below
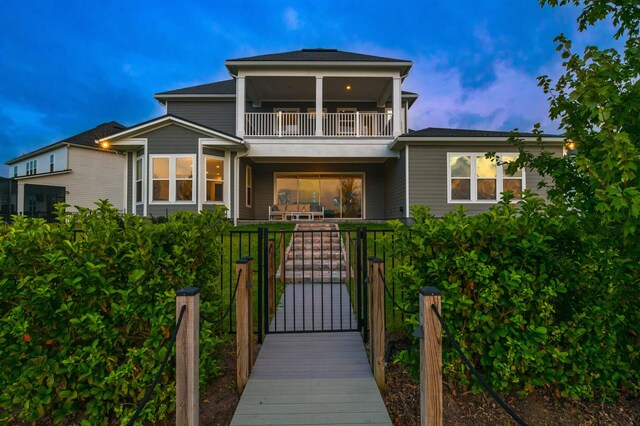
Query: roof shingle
318, 54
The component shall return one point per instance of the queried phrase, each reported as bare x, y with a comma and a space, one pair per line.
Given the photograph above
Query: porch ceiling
263, 89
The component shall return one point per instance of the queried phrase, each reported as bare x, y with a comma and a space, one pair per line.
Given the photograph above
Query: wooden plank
430, 359
377, 314
187, 358
242, 326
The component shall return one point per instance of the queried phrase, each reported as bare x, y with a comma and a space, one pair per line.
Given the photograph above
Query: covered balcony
352, 106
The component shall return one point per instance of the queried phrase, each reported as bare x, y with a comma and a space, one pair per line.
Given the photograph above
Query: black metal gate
305, 281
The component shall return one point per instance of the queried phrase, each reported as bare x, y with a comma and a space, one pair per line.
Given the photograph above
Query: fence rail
341, 124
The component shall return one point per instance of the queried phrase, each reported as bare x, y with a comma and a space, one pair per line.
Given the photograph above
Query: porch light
348, 87
105, 145
571, 145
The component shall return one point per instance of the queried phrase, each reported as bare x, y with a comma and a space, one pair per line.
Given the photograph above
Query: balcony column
319, 106
240, 106
397, 106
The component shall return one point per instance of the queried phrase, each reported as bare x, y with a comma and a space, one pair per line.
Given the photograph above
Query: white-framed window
52, 159
214, 179
15, 171
138, 183
473, 178
249, 185
172, 179
34, 168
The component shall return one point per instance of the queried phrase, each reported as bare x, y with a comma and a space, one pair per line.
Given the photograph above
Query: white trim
248, 171
227, 178
204, 180
145, 187
126, 181
406, 179
163, 122
473, 179
172, 178
310, 69
401, 141
241, 101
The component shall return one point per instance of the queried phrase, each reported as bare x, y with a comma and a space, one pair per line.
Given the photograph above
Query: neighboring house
74, 170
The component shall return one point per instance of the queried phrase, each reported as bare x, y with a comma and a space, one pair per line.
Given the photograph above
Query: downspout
236, 183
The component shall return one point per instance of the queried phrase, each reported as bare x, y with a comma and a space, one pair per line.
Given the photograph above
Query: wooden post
252, 343
188, 358
271, 264
282, 254
430, 359
377, 314
369, 290
242, 324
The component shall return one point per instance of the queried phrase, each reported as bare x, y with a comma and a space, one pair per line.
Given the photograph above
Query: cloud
291, 19
511, 99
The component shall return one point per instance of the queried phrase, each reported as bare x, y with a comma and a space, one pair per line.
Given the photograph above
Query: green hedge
531, 301
83, 319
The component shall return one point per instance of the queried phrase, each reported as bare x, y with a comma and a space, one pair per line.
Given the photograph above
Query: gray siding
263, 178
172, 139
395, 201
428, 174
158, 210
219, 115
212, 151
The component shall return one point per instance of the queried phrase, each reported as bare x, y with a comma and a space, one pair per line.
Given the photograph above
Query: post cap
241, 261
249, 258
430, 291
371, 257
377, 260
419, 332
188, 291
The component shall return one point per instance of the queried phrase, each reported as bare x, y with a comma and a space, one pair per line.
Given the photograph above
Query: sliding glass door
339, 194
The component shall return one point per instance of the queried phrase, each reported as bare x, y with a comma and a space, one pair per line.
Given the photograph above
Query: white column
318, 105
240, 105
397, 106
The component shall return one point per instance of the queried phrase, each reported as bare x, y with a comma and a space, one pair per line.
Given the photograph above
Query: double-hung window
172, 178
474, 178
15, 171
51, 162
214, 168
139, 174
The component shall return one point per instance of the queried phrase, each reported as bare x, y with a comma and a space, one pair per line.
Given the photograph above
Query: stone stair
316, 256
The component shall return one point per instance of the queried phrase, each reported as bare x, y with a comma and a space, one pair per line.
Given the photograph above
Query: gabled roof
222, 89
318, 54
165, 120
465, 133
87, 138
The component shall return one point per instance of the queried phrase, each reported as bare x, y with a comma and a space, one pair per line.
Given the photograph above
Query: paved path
317, 378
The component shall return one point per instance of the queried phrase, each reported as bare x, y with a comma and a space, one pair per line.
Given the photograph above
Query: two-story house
74, 170
319, 129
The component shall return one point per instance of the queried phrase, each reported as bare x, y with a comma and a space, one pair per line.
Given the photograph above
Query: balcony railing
349, 124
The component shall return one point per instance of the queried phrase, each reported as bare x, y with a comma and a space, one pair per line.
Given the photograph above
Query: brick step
326, 245
316, 277
315, 265
315, 254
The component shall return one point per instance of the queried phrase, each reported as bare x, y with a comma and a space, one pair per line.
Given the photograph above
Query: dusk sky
67, 66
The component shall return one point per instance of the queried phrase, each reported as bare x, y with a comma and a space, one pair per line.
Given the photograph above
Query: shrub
532, 302
87, 304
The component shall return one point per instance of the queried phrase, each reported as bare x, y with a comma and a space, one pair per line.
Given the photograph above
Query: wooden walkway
317, 378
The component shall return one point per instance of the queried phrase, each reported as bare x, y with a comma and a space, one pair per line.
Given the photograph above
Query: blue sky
67, 66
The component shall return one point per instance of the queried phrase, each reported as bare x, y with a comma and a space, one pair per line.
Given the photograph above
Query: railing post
242, 324
357, 123
271, 264
430, 332
252, 342
282, 254
378, 338
188, 358
279, 123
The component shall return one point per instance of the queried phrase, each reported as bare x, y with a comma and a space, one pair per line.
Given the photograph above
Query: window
475, 178
172, 178
249, 180
34, 168
15, 171
215, 180
51, 162
139, 174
